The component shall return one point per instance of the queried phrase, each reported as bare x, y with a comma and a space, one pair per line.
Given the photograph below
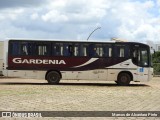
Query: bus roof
66, 40
60, 40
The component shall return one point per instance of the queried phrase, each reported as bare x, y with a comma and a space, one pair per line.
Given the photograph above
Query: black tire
124, 79
53, 77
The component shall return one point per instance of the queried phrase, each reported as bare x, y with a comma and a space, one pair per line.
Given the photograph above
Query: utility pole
93, 32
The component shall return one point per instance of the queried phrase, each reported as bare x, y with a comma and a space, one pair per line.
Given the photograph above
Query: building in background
157, 47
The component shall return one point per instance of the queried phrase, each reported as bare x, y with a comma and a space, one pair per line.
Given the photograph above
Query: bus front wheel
53, 77
123, 79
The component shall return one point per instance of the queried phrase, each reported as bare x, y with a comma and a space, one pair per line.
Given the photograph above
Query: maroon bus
54, 60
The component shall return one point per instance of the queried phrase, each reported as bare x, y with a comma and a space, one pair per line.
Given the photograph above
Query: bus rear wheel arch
124, 78
53, 77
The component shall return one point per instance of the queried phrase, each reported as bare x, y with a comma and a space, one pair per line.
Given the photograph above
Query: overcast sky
134, 20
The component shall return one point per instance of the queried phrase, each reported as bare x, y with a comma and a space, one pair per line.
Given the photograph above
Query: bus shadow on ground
75, 84
103, 84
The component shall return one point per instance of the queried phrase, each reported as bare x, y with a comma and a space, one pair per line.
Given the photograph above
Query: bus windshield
141, 56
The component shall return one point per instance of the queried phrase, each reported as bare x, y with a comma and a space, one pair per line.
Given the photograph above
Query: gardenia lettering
37, 61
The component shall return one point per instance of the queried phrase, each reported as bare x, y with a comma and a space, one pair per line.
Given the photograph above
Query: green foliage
156, 62
156, 57
156, 67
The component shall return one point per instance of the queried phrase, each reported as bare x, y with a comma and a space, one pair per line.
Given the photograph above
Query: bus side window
67, 49
42, 49
121, 51
92, 49
30, 48
99, 50
76, 50
24, 50
18, 48
127, 51
57, 49
110, 52
135, 56
81, 49
84, 50
107, 51
14, 48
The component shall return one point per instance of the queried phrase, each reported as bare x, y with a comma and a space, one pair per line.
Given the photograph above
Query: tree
156, 62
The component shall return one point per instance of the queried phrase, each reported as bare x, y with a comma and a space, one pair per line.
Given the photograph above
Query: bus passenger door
142, 60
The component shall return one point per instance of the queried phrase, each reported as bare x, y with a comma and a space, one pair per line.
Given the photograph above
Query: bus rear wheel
53, 77
124, 79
